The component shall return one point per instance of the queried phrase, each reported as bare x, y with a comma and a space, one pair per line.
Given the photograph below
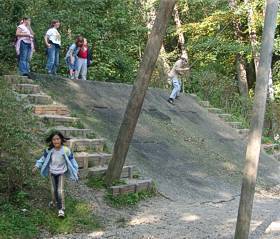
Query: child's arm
73, 160
39, 163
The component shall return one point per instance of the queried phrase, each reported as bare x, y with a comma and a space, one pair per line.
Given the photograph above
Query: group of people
78, 57
58, 161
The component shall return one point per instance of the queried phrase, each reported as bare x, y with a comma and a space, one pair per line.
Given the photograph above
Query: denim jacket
72, 167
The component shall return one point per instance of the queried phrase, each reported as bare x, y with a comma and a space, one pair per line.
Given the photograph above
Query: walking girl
53, 43
57, 162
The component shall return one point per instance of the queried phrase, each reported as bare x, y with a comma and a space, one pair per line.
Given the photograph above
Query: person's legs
53, 189
56, 60
84, 70
79, 64
179, 88
51, 59
176, 88
60, 192
25, 50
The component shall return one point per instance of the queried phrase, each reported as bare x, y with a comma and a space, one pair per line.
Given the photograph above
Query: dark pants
57, 189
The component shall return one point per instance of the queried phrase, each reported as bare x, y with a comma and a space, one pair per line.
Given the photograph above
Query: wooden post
139, 91
254, 142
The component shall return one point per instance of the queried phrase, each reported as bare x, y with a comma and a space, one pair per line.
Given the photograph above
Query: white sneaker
61, 213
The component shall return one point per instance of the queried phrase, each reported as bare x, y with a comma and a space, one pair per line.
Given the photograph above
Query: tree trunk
254, 141
162, 65
254, 43
242, 75
181, 40
139, 91
240, 62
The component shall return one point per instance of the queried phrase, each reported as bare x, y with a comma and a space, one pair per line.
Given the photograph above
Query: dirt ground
195, 159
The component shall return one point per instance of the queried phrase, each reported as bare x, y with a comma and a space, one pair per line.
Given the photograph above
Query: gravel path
194, 157
162, 218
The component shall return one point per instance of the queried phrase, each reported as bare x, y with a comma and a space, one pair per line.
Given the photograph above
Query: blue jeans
24, 58
176, 88
53, 59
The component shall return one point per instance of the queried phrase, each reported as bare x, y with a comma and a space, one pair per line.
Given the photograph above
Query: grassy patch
99, 183
129, 199
25, 216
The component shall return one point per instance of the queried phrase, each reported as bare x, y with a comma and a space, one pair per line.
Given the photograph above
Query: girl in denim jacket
57, 162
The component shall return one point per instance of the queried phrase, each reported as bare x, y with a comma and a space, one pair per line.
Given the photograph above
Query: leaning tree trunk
254, 141
181, 40
162, 65
240, 61
139, 91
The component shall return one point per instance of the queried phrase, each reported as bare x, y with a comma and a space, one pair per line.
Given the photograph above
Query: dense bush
115, 30
17, 138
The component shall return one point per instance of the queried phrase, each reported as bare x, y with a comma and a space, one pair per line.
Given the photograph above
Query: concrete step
100, 171
236, 125
16, 79
55, 120
194, 96
270, 147
204, 103
38, 99
52, 109
225, 117
27, 88
132, 186
215, 110
243, 132
73, 132
86, 145
277, 155
92, 159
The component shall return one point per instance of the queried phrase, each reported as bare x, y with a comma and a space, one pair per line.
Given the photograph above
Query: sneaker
61, 213
171, 101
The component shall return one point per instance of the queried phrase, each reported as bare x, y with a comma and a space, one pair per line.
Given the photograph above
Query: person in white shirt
53, 43
174, 75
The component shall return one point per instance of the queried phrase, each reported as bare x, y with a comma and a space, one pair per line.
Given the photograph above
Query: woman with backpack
24, 45
53, 43
72, 55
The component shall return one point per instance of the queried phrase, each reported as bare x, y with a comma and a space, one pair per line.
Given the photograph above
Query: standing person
53, 43
178, 69
24, 45
72, 55
57, 162
84, 59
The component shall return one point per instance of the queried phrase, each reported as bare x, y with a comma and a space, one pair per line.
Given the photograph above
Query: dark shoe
171, 101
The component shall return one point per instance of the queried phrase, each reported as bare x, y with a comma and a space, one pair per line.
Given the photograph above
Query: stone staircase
228, 118
271, 149
88, 150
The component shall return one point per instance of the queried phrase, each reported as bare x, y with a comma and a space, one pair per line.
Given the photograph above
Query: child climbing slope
57, 162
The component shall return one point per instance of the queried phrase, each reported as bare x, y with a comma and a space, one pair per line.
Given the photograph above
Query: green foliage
114, 29
21, 219
18, 137
129, 199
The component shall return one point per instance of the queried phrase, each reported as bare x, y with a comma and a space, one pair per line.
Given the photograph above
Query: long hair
54, 133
